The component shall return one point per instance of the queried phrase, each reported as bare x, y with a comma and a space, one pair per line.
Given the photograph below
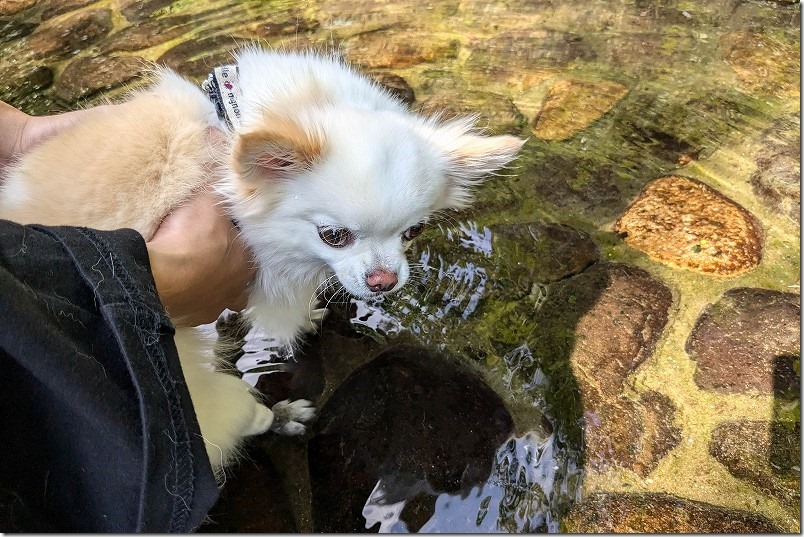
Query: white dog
323, 171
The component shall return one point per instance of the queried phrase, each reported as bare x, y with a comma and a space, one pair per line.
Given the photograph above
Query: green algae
687, 111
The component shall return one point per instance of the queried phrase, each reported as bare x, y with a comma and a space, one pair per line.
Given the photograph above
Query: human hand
20, 132
200, 264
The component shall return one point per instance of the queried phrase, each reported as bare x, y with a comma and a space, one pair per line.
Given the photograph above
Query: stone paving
623, 303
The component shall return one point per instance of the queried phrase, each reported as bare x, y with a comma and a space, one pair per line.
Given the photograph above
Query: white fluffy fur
319, 145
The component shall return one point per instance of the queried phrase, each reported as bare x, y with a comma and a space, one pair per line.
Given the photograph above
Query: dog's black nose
380, 280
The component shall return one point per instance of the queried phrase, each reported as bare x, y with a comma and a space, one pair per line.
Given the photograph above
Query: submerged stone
11, 29
572, 105
763, 63
527, 49
196, 58
538, 252
764, 454
253, 500
624, 313
17, 84
13, 7
777, 180
496, 112
148, 33
399, 50
660, 513
84, 77
60, 38
136, 10
63, 6
411, 423
688, 225
396, 86
747, 340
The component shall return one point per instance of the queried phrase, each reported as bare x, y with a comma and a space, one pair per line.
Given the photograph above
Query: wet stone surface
689, 225
624, 313
777, 180
87, 76
146, 34
654, 210
559, 119
403, 429
748, 340
61, 38
765, 454
661, 513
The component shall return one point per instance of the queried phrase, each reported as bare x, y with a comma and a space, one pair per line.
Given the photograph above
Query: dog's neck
222, 87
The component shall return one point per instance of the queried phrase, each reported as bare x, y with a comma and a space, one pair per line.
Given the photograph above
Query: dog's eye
413, 232
337, 237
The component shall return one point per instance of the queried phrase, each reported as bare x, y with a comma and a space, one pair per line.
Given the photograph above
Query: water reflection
527, 485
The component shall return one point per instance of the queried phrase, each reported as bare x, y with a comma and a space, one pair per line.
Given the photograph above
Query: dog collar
223, 89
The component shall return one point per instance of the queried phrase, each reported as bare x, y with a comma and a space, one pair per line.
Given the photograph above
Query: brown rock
660, 513
762, 63
13, 7
747, 341
613, 338
688, 225
58, 38
497, 112
148, 33
86, 76
17, 83
64, 6
396, 86
751, 452
572, 105
777, 181
397, 50
197, 57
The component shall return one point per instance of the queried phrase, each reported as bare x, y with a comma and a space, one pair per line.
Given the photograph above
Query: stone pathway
611, 333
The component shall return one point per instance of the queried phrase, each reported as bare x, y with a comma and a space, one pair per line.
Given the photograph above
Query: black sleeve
97, 430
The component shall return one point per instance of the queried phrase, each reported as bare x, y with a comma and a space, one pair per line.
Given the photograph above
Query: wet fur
319, 145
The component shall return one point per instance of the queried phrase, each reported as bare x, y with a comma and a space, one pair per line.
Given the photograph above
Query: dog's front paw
291, 417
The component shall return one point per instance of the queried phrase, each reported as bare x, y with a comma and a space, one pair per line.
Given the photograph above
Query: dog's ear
470, 157
277, 149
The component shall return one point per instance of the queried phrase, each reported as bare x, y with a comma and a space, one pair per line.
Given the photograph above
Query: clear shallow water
613, 95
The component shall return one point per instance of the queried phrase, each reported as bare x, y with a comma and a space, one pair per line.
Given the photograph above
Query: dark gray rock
416, 420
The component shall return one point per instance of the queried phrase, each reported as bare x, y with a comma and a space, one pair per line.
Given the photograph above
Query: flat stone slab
777, 180
747, 340
688, 225
60, 38
572, 105
763, 453
660, 513
86, 76
613, 338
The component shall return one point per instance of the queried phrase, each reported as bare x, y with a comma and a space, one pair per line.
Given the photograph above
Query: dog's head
347, 189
